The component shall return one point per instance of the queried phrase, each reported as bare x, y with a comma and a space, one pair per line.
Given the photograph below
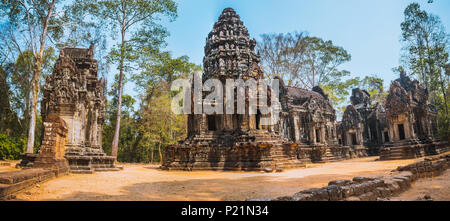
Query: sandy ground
438, 188
146, 182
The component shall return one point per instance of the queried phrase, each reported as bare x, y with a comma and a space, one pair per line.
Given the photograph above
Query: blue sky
368, 29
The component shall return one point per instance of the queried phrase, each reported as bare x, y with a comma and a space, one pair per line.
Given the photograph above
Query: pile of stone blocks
372, 188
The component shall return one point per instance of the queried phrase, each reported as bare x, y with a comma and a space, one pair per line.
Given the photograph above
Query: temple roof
301, 94
77, 53
229, 51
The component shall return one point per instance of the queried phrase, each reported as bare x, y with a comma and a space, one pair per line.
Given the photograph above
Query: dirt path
144, 182
438, 188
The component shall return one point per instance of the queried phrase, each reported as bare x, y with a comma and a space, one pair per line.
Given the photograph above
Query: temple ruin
306, 131
75, 94
364, 124
309, 120
230, 141
412, 124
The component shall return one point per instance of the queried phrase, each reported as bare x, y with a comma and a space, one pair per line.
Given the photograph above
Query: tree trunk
153, 153
36, 77
33, 108
115, 144
159, 150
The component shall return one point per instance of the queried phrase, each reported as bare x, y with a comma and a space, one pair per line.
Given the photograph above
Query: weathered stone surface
51, 154
12, 182
334, 192
362, 179
340, 182
231, 141
306, 131
412, 123
74, 93
284, 198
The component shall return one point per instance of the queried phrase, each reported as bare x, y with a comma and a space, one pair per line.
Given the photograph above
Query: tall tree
426, 49
158, 126
135, 21
41, 23
305, 61
283, 55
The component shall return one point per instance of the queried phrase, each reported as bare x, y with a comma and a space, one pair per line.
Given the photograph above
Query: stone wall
51, 153
372, 188
13, 182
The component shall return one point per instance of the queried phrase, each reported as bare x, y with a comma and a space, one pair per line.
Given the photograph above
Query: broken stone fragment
362, 179
340, 182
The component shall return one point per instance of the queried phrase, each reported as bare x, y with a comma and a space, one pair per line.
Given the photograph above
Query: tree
305, 61
374, 86
425, 52
135, 22
283, 55
40, 21
158, 126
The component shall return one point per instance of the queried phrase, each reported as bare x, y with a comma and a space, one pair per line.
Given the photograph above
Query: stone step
106, 169
82, 171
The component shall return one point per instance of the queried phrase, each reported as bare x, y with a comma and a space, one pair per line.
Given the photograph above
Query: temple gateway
307, 130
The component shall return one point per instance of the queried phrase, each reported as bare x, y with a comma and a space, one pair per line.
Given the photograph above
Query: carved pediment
398, 100
351, 118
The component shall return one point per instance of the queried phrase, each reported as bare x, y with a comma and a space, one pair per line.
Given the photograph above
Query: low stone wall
372, 188
13, 182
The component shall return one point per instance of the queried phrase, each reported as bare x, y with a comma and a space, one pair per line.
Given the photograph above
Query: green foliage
301, 60
426, 57
425, 48
11, 148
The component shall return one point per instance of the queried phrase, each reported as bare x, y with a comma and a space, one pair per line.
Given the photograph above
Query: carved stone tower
74, 93
231, 141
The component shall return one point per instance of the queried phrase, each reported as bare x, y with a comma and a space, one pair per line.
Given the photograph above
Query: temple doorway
317, 135
211, 123
386, 136
354, 142
258, 120
401, 131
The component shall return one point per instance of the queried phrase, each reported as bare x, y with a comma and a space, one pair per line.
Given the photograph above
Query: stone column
203, 124
323, 133
392, 133
296, 132
313, 134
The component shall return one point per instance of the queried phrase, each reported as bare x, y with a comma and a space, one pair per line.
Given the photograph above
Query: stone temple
412, 124
309, 121
74, 93
404, 126
230, 141
363, 124
306, 131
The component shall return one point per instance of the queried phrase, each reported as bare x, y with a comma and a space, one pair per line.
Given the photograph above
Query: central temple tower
231, 141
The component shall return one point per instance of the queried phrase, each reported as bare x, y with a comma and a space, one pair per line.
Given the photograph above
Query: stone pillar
51, 155
347, 138
313, 134
296, 132
392, 133
203, 124
322, 134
